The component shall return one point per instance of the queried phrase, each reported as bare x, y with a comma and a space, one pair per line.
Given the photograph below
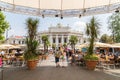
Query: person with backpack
57, 57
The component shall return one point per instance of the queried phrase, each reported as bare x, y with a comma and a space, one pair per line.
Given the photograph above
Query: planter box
91, 65
31, 64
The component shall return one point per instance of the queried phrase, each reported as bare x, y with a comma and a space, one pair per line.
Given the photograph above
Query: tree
53, 46
31, 42
114, 26
106, 39
65, 45
47, 44
73, 41
45, 41
92, 31
3, 26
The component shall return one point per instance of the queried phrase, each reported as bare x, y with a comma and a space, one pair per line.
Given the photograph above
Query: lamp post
7, 34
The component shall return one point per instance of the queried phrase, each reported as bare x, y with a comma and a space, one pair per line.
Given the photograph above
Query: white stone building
16, 40
60, 34
57, 35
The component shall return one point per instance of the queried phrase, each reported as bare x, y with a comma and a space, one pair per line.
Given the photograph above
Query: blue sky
17, 23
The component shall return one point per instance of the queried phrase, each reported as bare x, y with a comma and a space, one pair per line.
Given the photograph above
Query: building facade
59, 35
16, 40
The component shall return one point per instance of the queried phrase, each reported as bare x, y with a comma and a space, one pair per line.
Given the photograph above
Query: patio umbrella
99, 44
6, 46
96, 44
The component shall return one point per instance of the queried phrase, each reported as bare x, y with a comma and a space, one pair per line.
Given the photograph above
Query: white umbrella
6, 46
99, 44
96, 44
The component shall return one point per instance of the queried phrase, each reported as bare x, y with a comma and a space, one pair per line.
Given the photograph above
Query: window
54, 40
19, 42
14, 42
22, 42
59, 40
65, 40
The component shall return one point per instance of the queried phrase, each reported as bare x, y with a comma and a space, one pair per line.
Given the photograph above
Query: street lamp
7, 33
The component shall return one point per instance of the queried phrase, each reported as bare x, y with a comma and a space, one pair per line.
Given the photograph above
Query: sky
18, 26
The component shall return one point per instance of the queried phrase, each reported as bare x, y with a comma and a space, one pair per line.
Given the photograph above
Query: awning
60, 7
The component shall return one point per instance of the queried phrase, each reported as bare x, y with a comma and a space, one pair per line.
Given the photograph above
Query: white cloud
79, 26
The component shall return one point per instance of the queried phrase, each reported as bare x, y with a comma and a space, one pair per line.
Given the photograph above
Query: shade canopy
60, 7
8, 46
96, 44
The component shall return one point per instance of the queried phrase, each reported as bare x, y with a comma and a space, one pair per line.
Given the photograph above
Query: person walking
57, 56
63, 59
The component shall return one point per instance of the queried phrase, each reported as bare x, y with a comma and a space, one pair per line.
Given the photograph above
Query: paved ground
46, 70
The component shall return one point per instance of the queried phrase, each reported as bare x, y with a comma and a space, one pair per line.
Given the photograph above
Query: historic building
59, 35
16, 40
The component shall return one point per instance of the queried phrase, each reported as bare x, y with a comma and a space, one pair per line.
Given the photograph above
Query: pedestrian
73, 58
0, 61
63, 59
57, 56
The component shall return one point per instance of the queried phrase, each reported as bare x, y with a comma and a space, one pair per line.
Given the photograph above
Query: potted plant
31, 55
73, 41
46, 43
92, 31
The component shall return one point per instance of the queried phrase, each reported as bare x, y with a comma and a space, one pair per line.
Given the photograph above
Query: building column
62, 39
56, 40
51, 39
68, 37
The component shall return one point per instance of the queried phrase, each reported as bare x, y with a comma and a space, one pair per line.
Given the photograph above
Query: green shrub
90, 57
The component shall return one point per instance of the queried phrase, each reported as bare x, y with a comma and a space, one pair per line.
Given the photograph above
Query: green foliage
31, 53
73, 41
53, 46
31, 42
90, 57
65, 44
114, 26
46, 42
92, 30
106, 39
3, 25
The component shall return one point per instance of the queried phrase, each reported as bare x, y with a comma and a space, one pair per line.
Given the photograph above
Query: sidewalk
114, 72
51, 62
46, 70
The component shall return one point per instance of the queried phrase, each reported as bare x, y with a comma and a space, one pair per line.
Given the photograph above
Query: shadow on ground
53, 73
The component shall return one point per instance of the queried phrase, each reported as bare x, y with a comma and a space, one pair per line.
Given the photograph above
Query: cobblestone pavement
46, 70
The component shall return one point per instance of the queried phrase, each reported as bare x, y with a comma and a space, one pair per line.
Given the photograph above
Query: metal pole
6, 34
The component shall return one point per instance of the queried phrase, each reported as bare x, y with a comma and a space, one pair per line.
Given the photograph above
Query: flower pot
31, 64
91, 64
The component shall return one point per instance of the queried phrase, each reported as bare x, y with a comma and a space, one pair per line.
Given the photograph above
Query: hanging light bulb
61, 17
80, 16
117, 10
56, 15
43, 16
